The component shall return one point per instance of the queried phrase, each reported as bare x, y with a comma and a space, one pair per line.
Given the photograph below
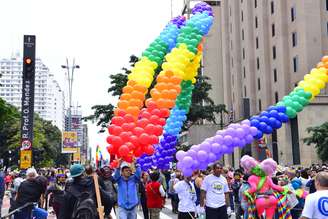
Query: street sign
25, 159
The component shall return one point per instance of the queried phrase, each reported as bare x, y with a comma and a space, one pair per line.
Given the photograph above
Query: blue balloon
268, 130
270, 108
277, 125
255, 123
264, 113
281, 109
272, 121
283, 117
274, 114
264, 119
259, 134
262, 126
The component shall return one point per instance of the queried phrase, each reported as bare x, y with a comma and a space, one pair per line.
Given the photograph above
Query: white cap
124, 164
31, 172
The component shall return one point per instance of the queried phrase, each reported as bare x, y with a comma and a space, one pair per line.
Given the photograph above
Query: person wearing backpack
127, 190
107, 182
155, 195
80, 196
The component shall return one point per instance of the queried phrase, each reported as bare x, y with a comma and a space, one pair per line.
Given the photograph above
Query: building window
276, 97
231, 44
230, 11
245, 94
258, 84
293, 13
256, 23
244, 70
257, 42
294, 39
243, 36
258, 63
272, 7
255, 3
273, 30
275, 75
230, 27
243, 53
274, 52
260, 105
295, 63
327, 5
242, 16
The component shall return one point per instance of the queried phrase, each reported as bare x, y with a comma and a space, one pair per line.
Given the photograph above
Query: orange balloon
123, 104
151, 103
172, 94
126, 96
169, 103
156, 95
169, 73
324, 59
200, 47
132, 83
161, 103
162, 78
161, 86
127, 89
165, 94
138, 95
176, 80
325, 65
140, 88
136, 102
133, 110
177, 88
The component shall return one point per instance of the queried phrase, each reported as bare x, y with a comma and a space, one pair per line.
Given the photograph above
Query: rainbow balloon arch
150, 132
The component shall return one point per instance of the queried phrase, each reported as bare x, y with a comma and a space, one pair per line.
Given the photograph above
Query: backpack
85, 207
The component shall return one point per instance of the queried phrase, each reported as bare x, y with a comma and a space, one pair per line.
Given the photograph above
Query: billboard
77, 156
25, 159
69, 142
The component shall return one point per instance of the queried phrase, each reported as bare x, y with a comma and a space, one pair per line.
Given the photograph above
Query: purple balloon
205, 146
224, 149
216, 148
253, 131
192, 154
195, 148
242, 143
179, 165
240, 133
195, 164
220, 132
180, 155
246, 122
236, 142
187, 161
227, 140
230, 131
187, 172
218, 139
211, 157
202, 156
203, 166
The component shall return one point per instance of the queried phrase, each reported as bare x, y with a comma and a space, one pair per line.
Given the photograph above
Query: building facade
256, 53
49, 97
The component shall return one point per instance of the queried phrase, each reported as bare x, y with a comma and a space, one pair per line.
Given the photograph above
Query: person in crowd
301, 194
187, 198
155, 194
2, 187
311, 183
127, 190
235, 189
242, 198
304, 177
14, 188
8, 180
106, 180
197, 181
215, 191
56, 191
142, 193
316, 204
88, 170
29, 191
175, 177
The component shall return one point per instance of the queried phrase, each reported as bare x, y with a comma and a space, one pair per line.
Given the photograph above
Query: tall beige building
256, 53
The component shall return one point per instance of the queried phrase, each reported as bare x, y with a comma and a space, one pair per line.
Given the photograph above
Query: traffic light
29, 67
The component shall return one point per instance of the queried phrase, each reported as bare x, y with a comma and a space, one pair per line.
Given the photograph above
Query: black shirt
29, 190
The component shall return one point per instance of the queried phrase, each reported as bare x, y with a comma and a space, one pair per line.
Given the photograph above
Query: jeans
127, 214
216, 213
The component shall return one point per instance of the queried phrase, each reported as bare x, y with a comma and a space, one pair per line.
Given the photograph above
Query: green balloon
290, 112
288, 102
303, 101
297, 106
286, 98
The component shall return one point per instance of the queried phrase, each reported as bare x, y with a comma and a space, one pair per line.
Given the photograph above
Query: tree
202, 108
319, 137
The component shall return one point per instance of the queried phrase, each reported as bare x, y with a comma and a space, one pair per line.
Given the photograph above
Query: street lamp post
70, 76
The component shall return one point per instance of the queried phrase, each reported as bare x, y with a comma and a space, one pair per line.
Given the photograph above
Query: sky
100, 34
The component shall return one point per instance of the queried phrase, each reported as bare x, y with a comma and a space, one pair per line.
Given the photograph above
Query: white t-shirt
316, 205
187, 196
215, 188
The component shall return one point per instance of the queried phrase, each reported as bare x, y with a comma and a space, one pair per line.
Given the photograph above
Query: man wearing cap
127, 190
316, 204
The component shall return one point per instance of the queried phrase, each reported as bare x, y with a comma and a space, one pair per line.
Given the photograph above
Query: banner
77, 155
69, 144
25, 159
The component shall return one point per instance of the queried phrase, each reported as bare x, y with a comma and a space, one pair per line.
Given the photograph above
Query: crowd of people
215, 193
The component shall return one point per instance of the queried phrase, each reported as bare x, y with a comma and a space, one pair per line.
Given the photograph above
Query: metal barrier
27, 205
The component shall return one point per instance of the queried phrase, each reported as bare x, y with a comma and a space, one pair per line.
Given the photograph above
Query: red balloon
123, 150
129, 118
125, 136
126, 126
149, 129
144, 139
112, 149
154, 119
151, 104
149, 150
109, 139
153, 139
142, 123
134, 140
161, 122
130, 146
114, 164
128, 158
145, 114
156, 112
117, 130
117, 141
110, 128
138, 152
138, 131
158, 130
120, 112
165, 113
117, 120
132, 126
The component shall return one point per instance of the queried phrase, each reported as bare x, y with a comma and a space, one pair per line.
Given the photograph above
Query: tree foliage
202, 108
319, 137
46, 138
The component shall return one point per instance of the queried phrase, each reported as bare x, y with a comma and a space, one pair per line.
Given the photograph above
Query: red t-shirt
154, 198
